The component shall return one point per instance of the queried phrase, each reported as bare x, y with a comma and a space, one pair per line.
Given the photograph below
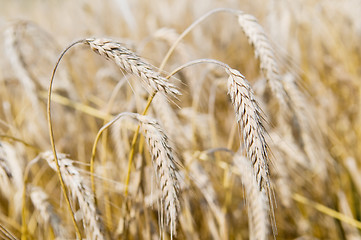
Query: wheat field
134, 119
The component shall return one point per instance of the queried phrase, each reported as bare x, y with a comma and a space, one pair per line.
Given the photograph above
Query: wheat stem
101, 130
52, 141
248, 117
326, 210
132, 149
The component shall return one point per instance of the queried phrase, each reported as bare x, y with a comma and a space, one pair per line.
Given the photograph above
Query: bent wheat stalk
125, 59
249, 117
164, 164
258, 38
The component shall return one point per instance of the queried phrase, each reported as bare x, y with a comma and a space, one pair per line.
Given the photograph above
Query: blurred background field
315, 149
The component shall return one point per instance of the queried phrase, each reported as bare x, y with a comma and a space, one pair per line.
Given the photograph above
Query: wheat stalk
163, 162
81, 191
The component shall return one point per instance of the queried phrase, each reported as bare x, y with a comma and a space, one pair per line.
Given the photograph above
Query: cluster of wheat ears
191, 122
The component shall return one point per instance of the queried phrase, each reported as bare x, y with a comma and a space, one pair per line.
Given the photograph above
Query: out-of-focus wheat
41, 202
305, 79
81, 192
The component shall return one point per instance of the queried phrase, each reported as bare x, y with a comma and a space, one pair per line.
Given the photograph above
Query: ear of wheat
40, 200
264, 51
132, 63
164, 164
249, 117
81, 191
165, 168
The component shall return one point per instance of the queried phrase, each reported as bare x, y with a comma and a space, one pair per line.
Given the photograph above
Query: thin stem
134, 141
21, 141
95, 146
326, 210
52, 141
199, 61
190, 28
